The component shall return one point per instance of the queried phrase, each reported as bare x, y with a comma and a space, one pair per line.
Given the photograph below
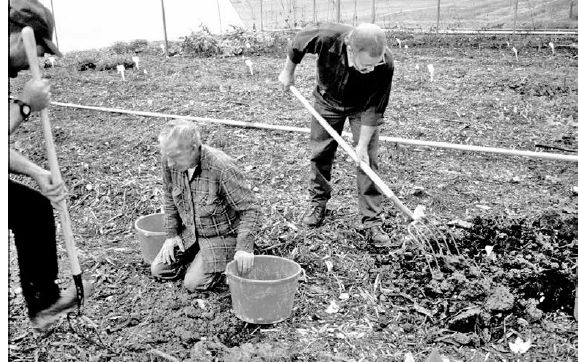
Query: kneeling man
211, 214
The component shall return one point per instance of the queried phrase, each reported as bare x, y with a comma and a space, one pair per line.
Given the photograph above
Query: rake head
433, 240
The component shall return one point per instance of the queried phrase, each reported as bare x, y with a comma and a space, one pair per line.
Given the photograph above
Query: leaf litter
110, 164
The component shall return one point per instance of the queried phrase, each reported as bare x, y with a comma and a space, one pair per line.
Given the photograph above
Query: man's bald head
368, 38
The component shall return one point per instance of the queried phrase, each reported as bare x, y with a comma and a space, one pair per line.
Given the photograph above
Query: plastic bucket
150, 232
266, 294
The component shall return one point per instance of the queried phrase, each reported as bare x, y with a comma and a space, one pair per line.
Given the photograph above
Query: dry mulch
388, 302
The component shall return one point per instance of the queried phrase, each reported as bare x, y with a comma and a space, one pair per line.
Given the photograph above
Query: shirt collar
195, 170
198, 167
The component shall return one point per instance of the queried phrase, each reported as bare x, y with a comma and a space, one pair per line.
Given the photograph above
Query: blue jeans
323, 148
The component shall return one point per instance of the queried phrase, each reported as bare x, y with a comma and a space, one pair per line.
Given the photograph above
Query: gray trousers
323, 148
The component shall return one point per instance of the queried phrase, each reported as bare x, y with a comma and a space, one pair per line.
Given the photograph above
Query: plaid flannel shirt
337, 82
215, 208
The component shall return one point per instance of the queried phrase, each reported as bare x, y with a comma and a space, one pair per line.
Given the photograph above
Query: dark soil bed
388, 303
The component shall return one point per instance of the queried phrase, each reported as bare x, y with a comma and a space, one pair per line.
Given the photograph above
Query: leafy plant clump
235, 42
135, 46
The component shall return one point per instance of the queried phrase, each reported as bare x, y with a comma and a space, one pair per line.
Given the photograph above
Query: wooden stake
515, 15
165, 29
220, 21
438, 17
314, 12
261, 3
56, 35
373, 11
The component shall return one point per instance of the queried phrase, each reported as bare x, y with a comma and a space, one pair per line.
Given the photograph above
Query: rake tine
421, 248
443, 237
437, 234
420, 238
455, 245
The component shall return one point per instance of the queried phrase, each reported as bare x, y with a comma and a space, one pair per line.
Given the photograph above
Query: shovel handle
32, 56
351, 152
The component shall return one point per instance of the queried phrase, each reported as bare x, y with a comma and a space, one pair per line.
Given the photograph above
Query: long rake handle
30, 47
364, 166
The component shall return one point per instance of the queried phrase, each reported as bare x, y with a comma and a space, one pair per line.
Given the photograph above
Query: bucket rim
148, 232
241, 279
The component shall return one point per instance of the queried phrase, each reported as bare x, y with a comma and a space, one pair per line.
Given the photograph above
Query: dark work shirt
338, 83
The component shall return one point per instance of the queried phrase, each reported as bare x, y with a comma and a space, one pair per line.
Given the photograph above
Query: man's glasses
365, 67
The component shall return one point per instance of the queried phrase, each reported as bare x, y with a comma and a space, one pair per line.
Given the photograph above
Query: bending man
354, 74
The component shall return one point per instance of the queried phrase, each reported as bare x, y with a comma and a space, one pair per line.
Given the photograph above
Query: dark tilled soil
389, 303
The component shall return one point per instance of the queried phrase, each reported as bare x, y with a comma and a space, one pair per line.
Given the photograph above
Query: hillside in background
478, 14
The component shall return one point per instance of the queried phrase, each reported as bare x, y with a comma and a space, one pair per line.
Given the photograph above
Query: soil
511, 221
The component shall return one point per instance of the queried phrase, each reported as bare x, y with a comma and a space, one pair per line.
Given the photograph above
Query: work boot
315, 217
66, 303
377, 237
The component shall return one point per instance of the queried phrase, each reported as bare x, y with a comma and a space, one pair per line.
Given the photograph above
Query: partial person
354, 76
211, 214
30, 213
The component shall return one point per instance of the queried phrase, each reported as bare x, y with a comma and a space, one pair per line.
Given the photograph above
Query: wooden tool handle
351, 152
32, 55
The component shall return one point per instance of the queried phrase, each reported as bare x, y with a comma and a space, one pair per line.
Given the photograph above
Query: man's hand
167, 252
55, 192
36, 94
286, 78
362, 155
244, 261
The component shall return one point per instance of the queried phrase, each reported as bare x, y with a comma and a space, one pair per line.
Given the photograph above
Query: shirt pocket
211, 205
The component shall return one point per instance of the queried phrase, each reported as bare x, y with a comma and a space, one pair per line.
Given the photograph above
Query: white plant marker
247, 45
52, 61
417, 67
150, 102
332, 308
250, 65
419, 212
515, 52
430, 67
405, 46
145, 71
120, 69
163, 48
398, 42
519, 346
552, 47
136, 60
